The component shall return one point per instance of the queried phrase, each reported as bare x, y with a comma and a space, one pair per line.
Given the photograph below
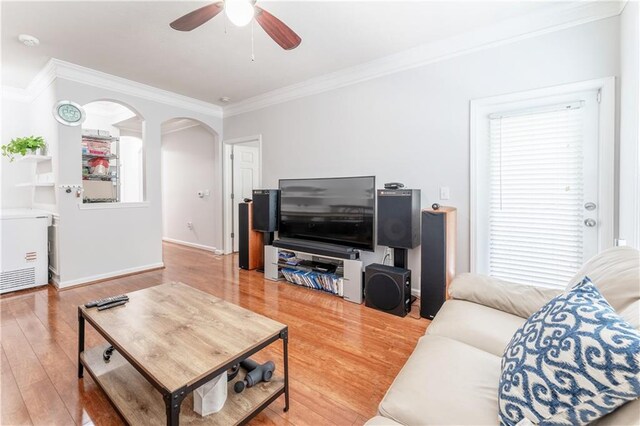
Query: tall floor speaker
250, 249
437, 258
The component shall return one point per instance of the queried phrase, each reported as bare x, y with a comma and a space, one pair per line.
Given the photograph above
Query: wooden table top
179, 334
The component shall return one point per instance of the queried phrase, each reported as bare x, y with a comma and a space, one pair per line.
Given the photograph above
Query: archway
112, 153
191, 184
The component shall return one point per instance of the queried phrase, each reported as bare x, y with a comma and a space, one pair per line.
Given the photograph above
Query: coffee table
171, 339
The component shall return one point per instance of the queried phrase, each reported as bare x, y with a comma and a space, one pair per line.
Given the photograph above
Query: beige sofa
452, 375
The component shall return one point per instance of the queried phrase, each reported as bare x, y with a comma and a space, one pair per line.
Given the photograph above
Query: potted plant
23, 146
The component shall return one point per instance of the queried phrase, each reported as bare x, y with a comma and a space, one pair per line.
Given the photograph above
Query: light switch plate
444, 193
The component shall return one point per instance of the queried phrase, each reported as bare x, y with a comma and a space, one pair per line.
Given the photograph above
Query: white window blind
536, 195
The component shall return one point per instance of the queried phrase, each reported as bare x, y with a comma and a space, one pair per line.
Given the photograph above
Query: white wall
629, 194
15, 124
191, 163
413, 126
98, 241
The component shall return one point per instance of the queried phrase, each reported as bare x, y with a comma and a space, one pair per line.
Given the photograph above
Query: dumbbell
256, 373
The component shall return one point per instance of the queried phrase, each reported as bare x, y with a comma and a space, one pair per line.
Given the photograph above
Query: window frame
480, 109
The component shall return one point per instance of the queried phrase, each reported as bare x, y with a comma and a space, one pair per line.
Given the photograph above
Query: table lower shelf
140, 403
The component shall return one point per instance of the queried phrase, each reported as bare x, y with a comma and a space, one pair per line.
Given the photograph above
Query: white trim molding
227, 185
111, 206
479, 110
192, 245
548, 20
56, 68
60, 285
180, 125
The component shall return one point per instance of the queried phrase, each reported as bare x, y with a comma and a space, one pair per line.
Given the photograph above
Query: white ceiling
133, 40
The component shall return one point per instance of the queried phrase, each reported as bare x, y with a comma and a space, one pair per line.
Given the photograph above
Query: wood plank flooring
342, 356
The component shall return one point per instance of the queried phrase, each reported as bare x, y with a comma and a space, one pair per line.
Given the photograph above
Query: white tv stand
352, 276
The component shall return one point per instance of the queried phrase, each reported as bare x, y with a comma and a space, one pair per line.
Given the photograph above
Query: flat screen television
329, 210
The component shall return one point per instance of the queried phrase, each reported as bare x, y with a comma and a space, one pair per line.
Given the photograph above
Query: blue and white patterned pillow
572, 362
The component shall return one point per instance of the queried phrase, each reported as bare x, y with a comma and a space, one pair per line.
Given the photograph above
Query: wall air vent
17, 279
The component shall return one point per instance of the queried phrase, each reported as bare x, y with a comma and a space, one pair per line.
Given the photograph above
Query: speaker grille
383, 291
396, 231
266, 209
399, 218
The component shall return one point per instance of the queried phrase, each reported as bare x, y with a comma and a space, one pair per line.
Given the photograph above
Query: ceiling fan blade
277, 30
196, 18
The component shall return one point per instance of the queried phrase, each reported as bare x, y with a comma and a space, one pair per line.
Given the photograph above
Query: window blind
535, 195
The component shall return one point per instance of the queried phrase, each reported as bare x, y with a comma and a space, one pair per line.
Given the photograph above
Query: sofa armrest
517, 299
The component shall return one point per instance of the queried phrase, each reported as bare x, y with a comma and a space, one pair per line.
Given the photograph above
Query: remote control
111, 300
104, 301
112, 305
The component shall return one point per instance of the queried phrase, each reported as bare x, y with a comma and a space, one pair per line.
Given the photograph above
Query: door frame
227, 184
479, 110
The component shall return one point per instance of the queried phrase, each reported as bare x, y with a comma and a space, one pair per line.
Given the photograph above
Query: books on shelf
328, 282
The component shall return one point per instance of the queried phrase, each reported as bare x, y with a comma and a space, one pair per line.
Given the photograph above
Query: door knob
590, 222
589, 206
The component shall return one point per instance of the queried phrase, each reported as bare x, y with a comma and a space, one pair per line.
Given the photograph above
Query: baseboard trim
188, 244
64, 285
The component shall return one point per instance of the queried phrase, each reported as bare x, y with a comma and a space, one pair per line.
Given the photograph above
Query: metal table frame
173, 400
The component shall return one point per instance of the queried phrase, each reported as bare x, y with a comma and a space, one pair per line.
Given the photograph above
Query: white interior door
246, 177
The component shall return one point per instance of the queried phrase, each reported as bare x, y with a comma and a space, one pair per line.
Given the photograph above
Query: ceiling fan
240, 13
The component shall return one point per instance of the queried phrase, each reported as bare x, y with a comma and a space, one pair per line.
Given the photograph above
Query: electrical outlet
207, 192
190, 225
444, 193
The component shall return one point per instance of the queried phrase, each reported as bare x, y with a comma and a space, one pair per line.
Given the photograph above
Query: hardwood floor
342, 356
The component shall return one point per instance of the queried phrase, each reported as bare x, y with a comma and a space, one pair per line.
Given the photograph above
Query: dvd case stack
330, 283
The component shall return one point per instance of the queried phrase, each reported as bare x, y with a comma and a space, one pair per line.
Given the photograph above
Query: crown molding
80, 74
178, 126
533, 25
56, 68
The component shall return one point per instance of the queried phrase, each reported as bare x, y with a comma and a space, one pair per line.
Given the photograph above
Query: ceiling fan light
239, 12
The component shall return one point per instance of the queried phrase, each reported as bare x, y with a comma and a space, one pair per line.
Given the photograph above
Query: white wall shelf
33, 158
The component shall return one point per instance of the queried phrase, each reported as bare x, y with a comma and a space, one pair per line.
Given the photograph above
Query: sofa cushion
631, 314
628, 414
476, 325
445, 382
572, 362
616, 273
381, 421
517, 299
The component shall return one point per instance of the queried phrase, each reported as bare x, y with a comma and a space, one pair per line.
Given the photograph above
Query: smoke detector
28, 40
225, 99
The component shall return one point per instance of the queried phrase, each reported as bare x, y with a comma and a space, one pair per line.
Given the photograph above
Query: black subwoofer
388, 289
399, 218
